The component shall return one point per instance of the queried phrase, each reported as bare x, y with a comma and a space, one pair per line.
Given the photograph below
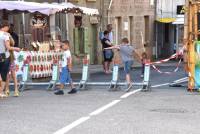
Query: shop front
40, 36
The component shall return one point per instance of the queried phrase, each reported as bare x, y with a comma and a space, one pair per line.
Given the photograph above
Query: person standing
109, 29
126, 52
14, 35
12, 70
66, 69
4, 54
107, 54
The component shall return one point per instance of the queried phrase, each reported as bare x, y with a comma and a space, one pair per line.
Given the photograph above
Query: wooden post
193, 30
190, 16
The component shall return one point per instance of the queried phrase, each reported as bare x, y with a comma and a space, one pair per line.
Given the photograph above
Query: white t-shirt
111, 37
66, 55
3, 38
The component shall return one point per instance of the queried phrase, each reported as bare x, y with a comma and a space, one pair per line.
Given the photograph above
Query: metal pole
109, 20
67, 23
177, 37
77, 83
156, 28
23, 28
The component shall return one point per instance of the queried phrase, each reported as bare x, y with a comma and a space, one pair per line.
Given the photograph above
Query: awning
31, 7
89, 11
166, 20
45, 8
84, 10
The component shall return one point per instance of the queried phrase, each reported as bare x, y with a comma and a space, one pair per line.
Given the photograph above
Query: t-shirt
3, 38
66, 55
111, 37
126, 52
105, 43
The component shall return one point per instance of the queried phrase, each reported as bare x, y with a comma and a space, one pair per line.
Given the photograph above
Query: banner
40, 63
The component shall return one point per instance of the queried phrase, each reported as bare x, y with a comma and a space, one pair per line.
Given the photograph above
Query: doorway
94, 47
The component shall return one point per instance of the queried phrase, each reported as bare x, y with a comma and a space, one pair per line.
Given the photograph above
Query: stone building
169, 27
130, 18
134, 19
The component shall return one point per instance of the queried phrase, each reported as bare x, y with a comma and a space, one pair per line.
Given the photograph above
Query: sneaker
129, 87
59, 92
73, 91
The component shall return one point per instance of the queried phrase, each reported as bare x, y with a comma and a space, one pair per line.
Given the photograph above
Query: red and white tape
174, 71
166, 60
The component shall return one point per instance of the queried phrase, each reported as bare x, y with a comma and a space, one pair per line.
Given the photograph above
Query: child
66, 69
126, 52
144, 60
12, 71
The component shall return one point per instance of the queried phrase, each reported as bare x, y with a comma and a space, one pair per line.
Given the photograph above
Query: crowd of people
9, 43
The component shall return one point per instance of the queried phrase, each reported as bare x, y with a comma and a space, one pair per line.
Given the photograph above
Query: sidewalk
98, 68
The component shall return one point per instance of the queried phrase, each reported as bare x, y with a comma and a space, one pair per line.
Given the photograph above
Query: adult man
109, 29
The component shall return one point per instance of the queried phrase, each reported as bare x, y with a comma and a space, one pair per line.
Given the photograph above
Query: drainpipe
156, 30
177, 37
67, 23
23, 28
109, 20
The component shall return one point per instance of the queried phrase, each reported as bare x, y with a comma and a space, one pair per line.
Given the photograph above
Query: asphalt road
164, 110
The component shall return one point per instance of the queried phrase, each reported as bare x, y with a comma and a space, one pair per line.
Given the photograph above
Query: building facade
130, 18
134, 19
169, 27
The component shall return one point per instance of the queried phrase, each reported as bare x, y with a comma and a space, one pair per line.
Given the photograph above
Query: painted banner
40, 63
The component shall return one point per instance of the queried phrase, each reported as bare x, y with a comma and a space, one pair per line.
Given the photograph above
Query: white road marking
100, 110
72, 125
76, 123
130, 93
161, 85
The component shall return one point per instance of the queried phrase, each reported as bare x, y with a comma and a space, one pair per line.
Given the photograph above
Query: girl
12, 71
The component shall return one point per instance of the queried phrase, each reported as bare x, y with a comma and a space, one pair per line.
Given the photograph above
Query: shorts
4, 69
108, 55
65, 76
127, 66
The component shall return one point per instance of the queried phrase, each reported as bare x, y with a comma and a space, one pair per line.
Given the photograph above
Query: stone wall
134, 13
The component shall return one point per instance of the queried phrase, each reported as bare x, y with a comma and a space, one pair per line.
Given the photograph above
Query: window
131, 29
146, 28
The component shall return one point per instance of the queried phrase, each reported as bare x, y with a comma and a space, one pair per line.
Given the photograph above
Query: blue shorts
127, 66
65, 76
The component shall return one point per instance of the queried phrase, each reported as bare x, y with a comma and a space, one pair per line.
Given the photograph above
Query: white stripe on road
161, 85
100, 110
72, 125
130, 93
76, 123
